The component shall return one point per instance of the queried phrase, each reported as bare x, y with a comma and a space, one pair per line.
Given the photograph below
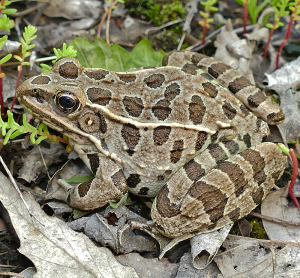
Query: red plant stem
17, 85
2, 4
294, 176
287, 34
245, 17
1, 96
101, 24
204, 31
269, 40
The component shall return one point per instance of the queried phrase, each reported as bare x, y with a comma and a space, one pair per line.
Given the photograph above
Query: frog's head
57, 99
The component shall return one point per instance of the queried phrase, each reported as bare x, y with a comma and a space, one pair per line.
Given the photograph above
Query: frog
189, 133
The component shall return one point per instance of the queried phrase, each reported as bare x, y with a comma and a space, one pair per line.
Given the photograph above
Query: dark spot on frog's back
229, 111
41, 80
172, 91
131, 136
161, 109
96, 74
98, 95
68, 70
196, 110
127, 77
161, 134
190, 69
210, 89
133, 105
201, 139
176, 151
155, 80
133, 180
143, 191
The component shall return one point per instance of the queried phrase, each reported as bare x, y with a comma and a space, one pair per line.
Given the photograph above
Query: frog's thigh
225, 194
109, 184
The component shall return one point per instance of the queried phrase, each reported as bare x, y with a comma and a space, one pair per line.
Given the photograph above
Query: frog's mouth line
48, 119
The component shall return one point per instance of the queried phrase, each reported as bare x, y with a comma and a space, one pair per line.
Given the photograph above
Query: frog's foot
108, 185
228, 192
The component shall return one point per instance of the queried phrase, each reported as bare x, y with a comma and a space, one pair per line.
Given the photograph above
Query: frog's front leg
109, 184
228, 192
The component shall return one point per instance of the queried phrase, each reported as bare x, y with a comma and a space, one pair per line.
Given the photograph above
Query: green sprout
14, 130
205, 23
28, 36
277, 23
3, 9
65, 52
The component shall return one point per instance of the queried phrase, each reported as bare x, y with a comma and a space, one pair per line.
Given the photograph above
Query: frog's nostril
36, 91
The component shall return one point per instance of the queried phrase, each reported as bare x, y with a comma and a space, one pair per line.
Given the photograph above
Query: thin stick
14, 183
11, 274
275, 220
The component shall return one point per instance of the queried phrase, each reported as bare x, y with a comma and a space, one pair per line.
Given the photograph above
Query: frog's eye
66, 102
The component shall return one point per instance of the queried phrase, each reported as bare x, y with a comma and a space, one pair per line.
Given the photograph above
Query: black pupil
66, 102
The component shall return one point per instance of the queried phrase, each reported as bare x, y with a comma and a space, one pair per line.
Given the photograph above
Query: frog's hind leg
228, 192
109, 184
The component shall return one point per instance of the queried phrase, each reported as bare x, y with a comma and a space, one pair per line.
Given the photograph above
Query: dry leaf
55, 249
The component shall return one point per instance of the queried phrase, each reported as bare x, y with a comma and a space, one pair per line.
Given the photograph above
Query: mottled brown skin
171, 129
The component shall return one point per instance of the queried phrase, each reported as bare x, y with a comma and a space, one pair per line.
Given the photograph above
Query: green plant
277, 15
5, 24
14, 130
253, 9
161, 14
28, 37
257, 230
112, 5
65, 52
205, 23
295, 8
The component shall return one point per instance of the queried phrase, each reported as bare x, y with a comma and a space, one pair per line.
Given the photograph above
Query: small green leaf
5, 59
269, 25
9, 11
45, 68
213, 9
284, 148
121, 202
80, 179
18, 58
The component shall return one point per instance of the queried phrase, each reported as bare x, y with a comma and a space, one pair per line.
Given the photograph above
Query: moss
156, 11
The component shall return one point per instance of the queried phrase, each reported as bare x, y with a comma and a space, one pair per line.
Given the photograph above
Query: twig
156, 29
275, 220
14, 183
11, 274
